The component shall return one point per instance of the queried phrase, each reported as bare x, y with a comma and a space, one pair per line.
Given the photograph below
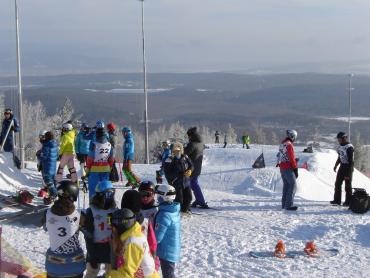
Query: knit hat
131, 199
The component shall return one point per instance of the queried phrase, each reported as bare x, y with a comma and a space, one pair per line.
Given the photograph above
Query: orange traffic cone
311, 248
280, 250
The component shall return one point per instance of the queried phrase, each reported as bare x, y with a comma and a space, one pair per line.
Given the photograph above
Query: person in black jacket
8, 142
194, 150
345, 160
177, 170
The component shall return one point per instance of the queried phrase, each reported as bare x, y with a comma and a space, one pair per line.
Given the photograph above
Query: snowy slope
249, 217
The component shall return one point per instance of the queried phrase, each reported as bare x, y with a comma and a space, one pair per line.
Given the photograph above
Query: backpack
360, 201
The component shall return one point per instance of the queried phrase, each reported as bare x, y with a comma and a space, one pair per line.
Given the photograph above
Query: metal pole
349, 105
21, 147
145, 87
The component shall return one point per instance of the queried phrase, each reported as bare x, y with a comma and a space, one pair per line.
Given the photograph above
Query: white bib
61, 228
102, 228
102, 151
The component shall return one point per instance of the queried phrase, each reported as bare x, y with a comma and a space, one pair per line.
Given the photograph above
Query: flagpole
145, 87
19, 75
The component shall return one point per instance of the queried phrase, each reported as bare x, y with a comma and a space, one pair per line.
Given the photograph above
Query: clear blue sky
185, 35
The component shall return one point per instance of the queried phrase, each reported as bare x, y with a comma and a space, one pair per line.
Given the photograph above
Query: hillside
248, 217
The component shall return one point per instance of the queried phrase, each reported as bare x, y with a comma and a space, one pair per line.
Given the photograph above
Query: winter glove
277, 165
295, 172
335, 168
188, 173
39, 167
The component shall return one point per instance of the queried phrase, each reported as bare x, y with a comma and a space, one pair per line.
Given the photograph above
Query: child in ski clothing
48, 161
99, 161
166, 152
131, 200
178, 169
66, 152
97, 229
128, 158
149, 208
168, 230
345, 172
82, 146
288, 169
65, 257
131, 248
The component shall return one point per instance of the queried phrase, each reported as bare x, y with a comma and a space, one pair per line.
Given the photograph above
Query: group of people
246, 140
94, 148
135, 240
287, 162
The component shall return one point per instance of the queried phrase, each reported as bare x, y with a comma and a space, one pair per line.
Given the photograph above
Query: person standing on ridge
217, 137
288, 169
128, 158
194, 150
9, 125
246, 141
225, 141
345, 172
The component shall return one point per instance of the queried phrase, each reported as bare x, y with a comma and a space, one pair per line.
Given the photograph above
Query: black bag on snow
360, 201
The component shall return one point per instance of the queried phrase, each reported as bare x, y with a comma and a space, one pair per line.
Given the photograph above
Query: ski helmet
67, 126
68, 189
105, 191
341, 135
100, 124
42, 133
122, 220
166, 143
111, 126
131, 199
84, 126
126, 129
147, 186
166, 193
292, 134
8, 111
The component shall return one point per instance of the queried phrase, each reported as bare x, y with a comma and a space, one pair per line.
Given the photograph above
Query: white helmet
42, 133
67, 126
166, 193
292, 134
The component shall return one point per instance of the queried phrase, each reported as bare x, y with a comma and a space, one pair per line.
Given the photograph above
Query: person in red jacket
288, 169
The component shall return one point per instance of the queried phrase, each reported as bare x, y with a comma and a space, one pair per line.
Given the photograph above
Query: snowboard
323, 253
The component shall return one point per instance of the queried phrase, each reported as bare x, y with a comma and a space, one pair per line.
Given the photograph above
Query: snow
248, 217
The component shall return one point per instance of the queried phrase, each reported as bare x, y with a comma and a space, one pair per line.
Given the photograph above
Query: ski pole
120, 169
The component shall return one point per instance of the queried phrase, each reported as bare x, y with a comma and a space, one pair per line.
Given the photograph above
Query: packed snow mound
230, 170
12, 179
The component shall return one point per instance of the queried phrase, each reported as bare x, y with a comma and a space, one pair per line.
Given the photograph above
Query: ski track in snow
217, 243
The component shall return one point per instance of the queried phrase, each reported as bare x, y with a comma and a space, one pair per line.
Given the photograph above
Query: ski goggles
146, 194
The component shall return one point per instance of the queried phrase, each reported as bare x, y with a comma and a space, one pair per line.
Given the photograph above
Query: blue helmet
84, 125
100, 124
126, 129
105, 192
103, 186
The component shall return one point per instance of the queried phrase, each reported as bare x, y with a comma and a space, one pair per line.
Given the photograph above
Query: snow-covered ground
248, 217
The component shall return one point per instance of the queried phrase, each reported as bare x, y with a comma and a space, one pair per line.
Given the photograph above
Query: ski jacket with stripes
286, 155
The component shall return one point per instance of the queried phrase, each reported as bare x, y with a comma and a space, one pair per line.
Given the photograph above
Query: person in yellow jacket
67, 152
131, 248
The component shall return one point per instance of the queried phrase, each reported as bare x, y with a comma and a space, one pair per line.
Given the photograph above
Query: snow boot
335, 203
345, 204
205, 206
194, 204
311, 248
280, 251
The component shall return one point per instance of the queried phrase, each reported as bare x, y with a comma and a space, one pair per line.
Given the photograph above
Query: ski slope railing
12, 263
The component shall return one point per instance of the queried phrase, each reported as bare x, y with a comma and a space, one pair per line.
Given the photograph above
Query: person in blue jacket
166, 153
128, 158
82, 146
48, 160
168, 230
8, 142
